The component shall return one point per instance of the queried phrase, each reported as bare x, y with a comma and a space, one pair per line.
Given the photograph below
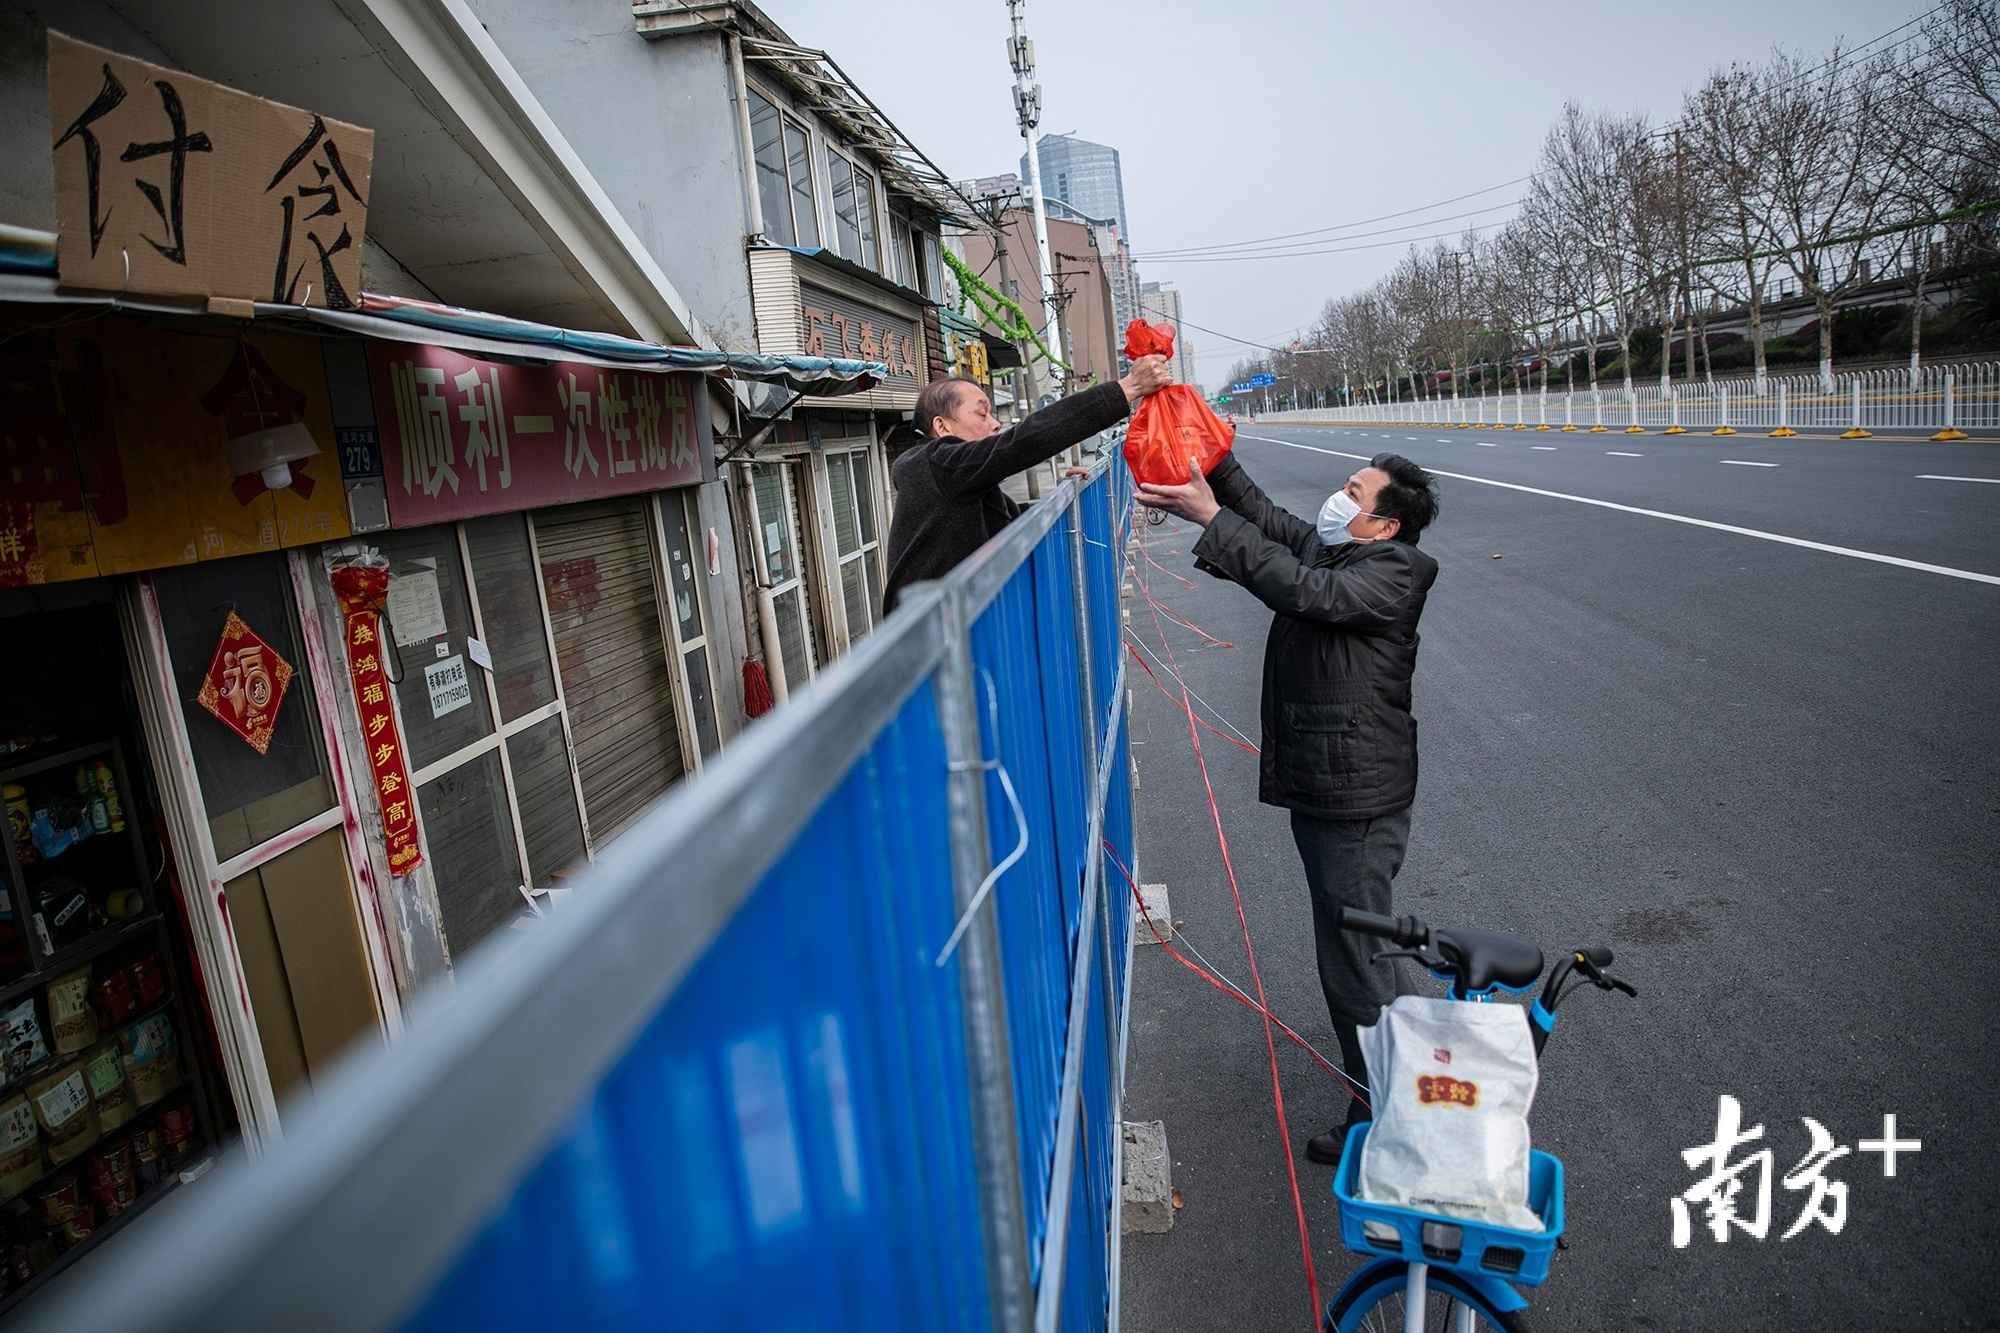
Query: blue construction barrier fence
731, 1085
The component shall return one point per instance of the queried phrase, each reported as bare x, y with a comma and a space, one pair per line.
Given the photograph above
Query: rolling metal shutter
604, 607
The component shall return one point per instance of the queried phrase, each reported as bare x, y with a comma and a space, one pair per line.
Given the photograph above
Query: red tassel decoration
756, 688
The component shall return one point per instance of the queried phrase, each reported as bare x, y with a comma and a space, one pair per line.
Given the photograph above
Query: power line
1168, 256
1221, 247
1338, 250
1315, 231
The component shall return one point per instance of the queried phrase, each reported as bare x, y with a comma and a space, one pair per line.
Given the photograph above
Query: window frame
869, 238
679, 649
787, 121
866, 549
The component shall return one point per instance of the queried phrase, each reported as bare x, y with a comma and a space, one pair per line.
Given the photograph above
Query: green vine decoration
985, 298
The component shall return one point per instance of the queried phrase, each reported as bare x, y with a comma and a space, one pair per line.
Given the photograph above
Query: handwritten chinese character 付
332, 178
1718, 1191
170, 209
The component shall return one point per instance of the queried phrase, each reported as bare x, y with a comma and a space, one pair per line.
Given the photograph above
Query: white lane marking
1444, 441
1546, 448
1852, 554
1411, 438
1620, 453
1744, 462
1486, 444
1932, 476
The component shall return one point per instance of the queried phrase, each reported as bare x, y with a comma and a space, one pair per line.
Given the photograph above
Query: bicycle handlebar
1407, 931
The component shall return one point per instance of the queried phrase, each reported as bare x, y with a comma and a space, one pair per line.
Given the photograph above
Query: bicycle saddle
1482, 958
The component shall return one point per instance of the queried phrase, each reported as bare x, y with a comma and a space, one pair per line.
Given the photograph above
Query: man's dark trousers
1352, 863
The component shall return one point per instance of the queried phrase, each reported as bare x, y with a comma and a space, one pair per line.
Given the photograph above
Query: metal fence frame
395, 1198
1947, 400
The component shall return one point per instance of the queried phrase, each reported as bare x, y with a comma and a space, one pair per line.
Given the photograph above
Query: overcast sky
1263, 117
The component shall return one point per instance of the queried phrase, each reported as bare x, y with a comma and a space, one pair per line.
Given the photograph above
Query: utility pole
1024, 383
1028, 112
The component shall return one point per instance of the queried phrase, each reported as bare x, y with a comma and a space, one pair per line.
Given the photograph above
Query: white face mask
1334, 516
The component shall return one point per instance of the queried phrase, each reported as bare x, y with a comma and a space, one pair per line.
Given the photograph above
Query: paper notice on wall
416, 608
477, 651
450, 688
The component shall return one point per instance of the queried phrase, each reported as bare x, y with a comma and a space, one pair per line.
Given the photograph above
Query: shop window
250, 797
783, 497
475, 860
681, 520
441, 693
851, 484
510, 608
846, 224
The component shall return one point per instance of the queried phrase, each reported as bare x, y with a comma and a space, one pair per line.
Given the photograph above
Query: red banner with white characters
463, 437
363, 589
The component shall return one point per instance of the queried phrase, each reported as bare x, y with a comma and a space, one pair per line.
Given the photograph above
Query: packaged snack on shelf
20, 1146
149, 980
66, 1211
146, 1153
104, 1070
21, 1045
63, 1109
177, 1142
115, 998
152, 1058
19, 818
71, 1019
112, 1183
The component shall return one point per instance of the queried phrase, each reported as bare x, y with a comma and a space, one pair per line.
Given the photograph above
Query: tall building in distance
1084, 175
1160, 303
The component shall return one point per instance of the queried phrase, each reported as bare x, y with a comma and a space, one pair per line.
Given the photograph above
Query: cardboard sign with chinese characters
463, 437
171, 184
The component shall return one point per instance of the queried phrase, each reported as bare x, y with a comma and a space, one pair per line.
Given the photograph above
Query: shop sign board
170, 184
462, 437
245, 685
836, 326
114, 449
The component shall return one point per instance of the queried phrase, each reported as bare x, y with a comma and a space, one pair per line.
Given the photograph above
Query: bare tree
1586, 175
1826, 158
1724, 137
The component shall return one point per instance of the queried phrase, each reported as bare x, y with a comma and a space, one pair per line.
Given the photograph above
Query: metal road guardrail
1942, 401
729, 1084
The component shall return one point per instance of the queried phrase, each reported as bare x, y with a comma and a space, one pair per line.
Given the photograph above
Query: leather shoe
1326, 1148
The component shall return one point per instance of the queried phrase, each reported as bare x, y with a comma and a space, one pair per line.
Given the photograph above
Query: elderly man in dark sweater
948, 496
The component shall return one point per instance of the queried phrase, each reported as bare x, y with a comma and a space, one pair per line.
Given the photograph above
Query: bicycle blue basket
1443, 1241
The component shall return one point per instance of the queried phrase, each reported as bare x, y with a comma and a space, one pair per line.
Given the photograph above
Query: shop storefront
814, 492
548, 612
188, 932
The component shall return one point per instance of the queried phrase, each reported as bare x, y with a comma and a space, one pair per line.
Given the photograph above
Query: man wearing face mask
1339, 740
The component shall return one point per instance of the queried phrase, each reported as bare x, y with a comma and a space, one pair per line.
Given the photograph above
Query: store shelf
160, 1191
52, 1061
138, 1118
82, 951
29, 768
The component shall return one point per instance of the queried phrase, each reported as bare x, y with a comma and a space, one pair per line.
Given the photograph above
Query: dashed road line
1932, 476
1546, 448
1620, 453
1745, 462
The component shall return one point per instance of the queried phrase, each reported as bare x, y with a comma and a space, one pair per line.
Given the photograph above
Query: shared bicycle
1429, 1270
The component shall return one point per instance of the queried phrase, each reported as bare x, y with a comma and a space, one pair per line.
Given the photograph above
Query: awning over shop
474, 332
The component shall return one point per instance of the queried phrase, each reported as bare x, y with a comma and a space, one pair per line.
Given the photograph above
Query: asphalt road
1768, 775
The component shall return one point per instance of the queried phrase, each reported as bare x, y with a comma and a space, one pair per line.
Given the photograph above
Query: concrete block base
1159, 915
1148, 1187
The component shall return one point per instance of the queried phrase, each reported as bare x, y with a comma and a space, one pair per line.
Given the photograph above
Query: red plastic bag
1173, 425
